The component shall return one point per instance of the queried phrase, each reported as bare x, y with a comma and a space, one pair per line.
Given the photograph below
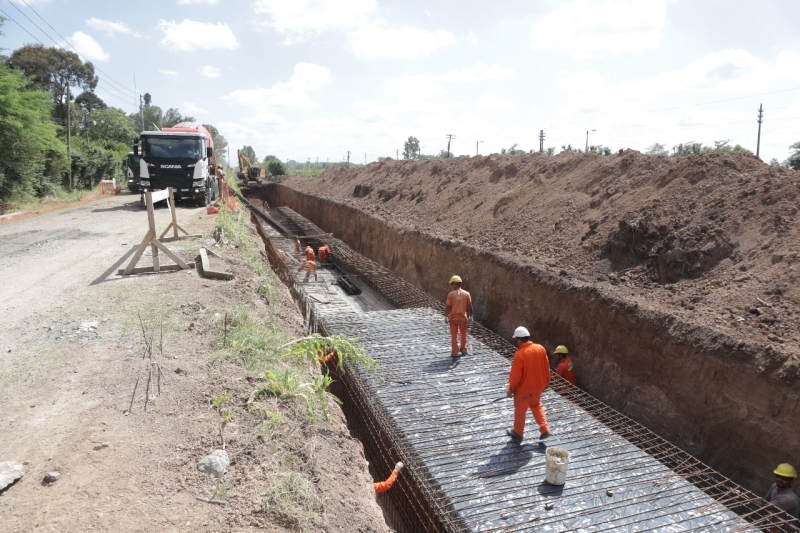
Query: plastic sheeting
453, 413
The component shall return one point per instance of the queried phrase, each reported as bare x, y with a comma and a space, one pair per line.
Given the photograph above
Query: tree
276, 168
411, 148
657, 149
724, 146
147, 99
687, 149
153, 118
248, 151
220, 144
794, 158
88, 101
52, 69
599, 150
443, 154
569, 148
110, 127
551, 150
512, 151
774, 162
33, 155
173, 116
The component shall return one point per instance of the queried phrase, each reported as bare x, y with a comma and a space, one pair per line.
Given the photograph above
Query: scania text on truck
179, 157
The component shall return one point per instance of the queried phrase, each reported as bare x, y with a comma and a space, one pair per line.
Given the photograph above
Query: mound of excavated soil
712, 238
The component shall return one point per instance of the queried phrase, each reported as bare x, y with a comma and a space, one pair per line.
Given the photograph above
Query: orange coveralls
458, 301
310, 256
564, 369
309, 266
383, 486
529, 377
323, 253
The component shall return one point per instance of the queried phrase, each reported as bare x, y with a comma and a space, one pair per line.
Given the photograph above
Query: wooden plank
169, 254
204, 259
157, 196
172, 210
170, 239
135, 259
165, 268
217, 275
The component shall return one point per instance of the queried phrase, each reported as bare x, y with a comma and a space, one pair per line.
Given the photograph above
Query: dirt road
71, 352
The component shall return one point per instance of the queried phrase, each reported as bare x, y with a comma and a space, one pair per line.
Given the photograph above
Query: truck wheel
141, 200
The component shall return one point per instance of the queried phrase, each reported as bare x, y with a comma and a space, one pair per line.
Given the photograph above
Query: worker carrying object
564, 368
323, 253
309, 266
529, 377
310, 255
459, 313
780, 494
383, 486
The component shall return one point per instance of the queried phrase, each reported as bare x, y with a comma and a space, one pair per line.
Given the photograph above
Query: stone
9, 473
100, 446
51, 477
214, 465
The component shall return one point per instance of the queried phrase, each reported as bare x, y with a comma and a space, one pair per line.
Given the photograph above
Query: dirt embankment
673, 280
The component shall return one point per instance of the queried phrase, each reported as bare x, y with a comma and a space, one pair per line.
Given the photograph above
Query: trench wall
700, 391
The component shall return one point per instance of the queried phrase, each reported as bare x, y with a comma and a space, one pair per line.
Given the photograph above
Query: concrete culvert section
445, 419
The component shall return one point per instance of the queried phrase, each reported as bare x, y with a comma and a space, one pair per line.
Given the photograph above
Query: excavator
247, 172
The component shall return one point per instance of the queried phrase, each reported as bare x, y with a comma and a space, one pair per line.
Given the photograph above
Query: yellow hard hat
455, 279
562, 349
786, 470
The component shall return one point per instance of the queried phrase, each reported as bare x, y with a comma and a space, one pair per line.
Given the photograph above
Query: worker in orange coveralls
383, 486
297, 246
529, 377
309, 266
564, 368
323, 253
459, 313
310, 255
330, 353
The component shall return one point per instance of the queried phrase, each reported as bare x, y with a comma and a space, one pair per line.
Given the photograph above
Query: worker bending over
323, 253
564, 368
529, 377
310, 256
383, 486
309, 266
780, 494
459, 313
330, 353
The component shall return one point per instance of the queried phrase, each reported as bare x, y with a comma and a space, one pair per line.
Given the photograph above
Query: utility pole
541, 141
348, 158
397, 154
476, 147
449, 136
587, 140
69, 147
760, 120
141, 111
365, 159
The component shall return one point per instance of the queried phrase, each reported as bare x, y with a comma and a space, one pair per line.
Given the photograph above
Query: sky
314, 79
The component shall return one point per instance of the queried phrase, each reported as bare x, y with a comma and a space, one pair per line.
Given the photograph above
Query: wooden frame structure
156, 243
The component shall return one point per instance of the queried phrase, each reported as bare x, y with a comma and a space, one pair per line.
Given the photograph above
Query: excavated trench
700, 391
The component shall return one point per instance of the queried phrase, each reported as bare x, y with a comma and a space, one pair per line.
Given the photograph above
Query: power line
20, 25
122, 87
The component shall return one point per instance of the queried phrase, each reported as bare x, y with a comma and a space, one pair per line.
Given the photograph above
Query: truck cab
130, 167
178, 157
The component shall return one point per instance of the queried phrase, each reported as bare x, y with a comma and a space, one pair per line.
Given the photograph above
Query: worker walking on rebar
565, 368
323, 253
309, 266
529, 377
780, 494
383, 486
310, 255
459, 313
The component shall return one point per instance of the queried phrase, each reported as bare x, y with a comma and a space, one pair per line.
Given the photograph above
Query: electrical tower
760, 120
450, 137
541, 141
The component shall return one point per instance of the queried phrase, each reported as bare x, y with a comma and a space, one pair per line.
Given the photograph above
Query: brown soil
71, 351
674, 279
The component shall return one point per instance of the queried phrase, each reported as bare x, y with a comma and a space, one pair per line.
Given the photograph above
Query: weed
289, 384
222, 492
251, 340
311, 347
292, 494
224, 415
271, 422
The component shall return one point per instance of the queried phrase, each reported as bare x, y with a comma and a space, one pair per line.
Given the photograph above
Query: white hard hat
521, 332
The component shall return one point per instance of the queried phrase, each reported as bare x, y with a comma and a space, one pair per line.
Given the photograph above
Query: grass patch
293, 494
59, 196
251, 340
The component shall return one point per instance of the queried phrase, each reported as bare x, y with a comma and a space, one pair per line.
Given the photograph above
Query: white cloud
303, 19
194, 109
493, 102
168, 73
87, 47
188, 2
479, 72
191, 35
291, 94
375, 39
111, 28
210, 72
592, 28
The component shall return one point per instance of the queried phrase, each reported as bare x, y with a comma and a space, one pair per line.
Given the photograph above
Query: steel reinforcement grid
446, 418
